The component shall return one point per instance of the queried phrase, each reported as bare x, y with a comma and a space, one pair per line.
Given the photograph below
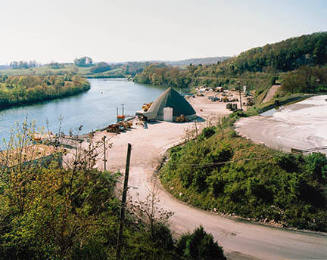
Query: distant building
244, 89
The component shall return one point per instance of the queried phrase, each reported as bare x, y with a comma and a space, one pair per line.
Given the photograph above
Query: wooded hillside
257, 68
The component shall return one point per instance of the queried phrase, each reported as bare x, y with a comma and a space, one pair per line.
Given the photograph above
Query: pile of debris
146, 107
181, 119
119, 127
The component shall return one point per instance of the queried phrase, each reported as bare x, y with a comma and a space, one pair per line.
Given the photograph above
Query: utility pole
240, 92
123, 203
196, 128
104, 153
122, 105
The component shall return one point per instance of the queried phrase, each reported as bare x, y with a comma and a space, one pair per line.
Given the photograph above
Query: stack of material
170, 98
119, 127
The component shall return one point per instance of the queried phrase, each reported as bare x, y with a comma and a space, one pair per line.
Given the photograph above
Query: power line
222, 163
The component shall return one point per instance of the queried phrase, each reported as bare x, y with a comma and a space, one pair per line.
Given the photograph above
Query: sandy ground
240, 240
301, 125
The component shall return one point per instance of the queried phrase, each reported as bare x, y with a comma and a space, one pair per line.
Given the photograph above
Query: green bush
93, 250
162, 237
288, 162
317, 166
199, 246
207, 132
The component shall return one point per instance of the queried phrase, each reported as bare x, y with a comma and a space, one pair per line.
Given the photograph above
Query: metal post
123, 203
239, 89
104, 154
196, 128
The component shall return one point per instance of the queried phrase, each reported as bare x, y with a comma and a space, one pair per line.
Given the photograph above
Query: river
93, 109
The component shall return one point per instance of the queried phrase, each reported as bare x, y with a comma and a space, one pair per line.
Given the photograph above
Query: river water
93, 109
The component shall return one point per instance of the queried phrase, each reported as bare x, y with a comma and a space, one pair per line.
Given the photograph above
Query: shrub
207, 132
288, 162
316, 164
199, 245
162, 238
93, 250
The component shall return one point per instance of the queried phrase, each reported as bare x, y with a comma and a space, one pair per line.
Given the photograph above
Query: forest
221, 171
164, 75
22, 90
305, 80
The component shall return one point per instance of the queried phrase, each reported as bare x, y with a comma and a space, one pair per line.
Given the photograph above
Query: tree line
306, 80
23, 64
283, 56
163, 75
19, 90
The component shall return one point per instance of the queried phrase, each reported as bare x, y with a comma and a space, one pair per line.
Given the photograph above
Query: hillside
284, 56
298, 63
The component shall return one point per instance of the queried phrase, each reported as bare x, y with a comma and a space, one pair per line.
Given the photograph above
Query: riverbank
240, 240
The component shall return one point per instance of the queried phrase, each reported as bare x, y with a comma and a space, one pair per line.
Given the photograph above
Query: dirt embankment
271, 93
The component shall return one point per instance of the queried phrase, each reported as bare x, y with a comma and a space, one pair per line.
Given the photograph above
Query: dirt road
240, 240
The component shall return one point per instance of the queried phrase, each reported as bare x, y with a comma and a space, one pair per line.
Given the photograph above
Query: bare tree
148, 210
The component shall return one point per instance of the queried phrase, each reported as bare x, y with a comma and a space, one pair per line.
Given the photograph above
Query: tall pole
196, 128
104, 154
123, 203
239, 89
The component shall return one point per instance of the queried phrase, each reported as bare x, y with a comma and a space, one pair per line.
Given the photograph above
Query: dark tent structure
172, 99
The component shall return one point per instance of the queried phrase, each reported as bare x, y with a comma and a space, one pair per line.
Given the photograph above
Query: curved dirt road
240, 240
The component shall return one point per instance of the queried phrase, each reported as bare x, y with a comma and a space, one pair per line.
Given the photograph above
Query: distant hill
283, 56
197, 61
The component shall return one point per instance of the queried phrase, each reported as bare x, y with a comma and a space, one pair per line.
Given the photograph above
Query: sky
138, 30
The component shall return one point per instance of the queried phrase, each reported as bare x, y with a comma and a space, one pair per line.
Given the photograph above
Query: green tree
199, 245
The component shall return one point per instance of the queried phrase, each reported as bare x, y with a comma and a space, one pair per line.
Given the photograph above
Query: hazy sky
129, 30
